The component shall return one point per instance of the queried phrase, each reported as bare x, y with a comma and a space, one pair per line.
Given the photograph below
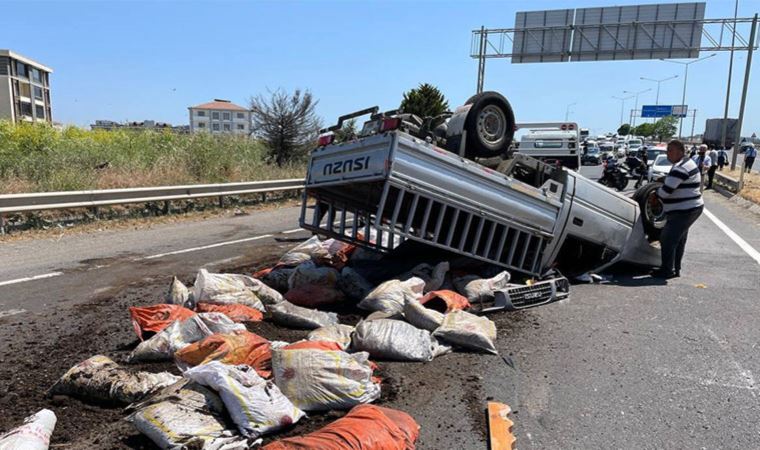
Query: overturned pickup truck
403, 178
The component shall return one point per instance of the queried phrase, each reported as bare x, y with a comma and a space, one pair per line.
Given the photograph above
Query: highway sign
663, 110
679, 110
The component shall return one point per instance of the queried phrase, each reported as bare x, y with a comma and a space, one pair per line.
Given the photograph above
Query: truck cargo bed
381, 190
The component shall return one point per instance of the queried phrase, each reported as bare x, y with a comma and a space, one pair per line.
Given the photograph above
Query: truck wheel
652, 209
490, 125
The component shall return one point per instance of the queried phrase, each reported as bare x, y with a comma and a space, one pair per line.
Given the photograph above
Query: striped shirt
680, 191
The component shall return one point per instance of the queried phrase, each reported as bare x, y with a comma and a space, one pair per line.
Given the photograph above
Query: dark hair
677, 144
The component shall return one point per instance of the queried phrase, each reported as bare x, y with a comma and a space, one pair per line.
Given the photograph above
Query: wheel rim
655, 210
491, 125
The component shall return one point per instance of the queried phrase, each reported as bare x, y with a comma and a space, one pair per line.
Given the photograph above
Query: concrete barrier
729, 183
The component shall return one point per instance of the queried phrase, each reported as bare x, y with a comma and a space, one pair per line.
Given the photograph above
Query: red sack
445, 301
236, 312
157, 317
240, 347
365, 427
314, 295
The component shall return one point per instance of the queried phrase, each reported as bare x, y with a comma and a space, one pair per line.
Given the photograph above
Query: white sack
290, 315
255, 405
468, 331
340, 334
395, 340
34, 434
321, 380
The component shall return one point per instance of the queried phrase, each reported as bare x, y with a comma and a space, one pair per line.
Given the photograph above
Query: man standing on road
722, 159
703, 162
683, 205
749, 157
713, 155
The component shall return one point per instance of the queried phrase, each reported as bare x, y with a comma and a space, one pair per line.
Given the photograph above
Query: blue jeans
673, 237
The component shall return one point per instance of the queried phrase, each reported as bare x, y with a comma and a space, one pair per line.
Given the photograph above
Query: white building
24, 89
220, 116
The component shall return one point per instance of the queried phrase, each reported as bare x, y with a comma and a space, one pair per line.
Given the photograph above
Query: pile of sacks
262, 386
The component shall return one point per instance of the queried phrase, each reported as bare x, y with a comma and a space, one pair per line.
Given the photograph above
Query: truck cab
552, 142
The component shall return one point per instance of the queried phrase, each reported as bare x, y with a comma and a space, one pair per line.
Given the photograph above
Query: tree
347, 131
645, 129
287, 123
665, 128
424, 101
624, 130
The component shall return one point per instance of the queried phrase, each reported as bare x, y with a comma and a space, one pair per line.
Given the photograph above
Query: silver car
659, 168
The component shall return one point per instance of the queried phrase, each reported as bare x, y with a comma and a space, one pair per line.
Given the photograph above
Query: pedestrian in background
749, 157
683, 205
722, 159
703, 163
713, 156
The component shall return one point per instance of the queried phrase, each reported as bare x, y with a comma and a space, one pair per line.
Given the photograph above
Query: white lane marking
11, 312
754, 254
205, 247
294, 230
36, 277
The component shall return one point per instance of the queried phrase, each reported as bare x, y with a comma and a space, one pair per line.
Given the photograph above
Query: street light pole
685, 78
622, 106
636, 105
657, 98
567, 110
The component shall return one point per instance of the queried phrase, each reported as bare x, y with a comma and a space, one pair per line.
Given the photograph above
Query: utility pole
728, 85
693, 120
750, 51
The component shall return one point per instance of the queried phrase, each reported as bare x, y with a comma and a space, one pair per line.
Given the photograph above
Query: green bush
37, 157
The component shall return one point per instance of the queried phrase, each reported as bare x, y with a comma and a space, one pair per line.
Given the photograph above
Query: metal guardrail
14, 203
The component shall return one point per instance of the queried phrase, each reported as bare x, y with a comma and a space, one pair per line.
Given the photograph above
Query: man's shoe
677, 273
663, 274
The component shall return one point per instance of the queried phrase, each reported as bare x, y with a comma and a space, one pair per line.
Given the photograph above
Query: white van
554, 142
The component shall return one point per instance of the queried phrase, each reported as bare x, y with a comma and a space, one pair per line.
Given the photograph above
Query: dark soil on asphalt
38, 348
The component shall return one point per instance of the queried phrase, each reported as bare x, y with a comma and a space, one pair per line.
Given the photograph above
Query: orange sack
240, 347
157, 317
445, 301
314, 345
259, 274
314, 295
365, 427
235, 311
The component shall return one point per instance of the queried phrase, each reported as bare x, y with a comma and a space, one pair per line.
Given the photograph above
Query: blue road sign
663, 110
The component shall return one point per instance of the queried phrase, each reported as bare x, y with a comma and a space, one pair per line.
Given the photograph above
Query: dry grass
751, 190
38, 158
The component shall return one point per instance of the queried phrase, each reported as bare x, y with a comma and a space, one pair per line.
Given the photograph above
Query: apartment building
220, 117
24, 89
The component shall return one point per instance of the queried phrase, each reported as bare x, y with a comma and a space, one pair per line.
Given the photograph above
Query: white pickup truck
393, 183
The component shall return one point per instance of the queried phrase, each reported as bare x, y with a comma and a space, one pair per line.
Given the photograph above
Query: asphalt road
635, 363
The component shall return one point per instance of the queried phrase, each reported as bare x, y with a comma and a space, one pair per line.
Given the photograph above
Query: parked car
654, 152
660, 168
592, 157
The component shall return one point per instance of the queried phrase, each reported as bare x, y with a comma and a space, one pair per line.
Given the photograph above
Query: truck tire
652, 213
490, 125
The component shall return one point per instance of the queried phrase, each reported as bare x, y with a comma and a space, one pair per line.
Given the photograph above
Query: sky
134, 60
